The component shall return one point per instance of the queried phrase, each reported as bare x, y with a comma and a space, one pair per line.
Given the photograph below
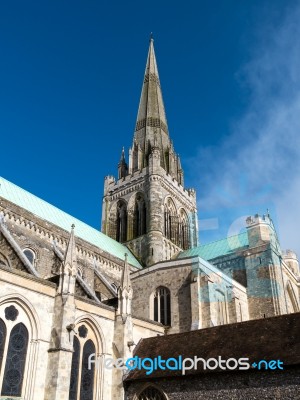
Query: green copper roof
54, 215
218, 248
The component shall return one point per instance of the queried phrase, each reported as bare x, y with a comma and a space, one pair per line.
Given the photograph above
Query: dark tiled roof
270, 339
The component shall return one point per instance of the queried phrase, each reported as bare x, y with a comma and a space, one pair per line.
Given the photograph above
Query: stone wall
195, 290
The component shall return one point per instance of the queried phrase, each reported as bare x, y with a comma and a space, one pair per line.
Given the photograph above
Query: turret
290, 258
258, 230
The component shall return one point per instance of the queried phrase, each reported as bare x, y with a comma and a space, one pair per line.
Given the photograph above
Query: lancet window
139, 217
121, 222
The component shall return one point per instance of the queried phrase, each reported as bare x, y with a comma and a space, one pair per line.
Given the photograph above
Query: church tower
147, 207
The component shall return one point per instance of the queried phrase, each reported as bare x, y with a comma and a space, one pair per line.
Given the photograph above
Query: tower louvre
147, 207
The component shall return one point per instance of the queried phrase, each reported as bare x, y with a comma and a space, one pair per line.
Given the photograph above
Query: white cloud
260, 161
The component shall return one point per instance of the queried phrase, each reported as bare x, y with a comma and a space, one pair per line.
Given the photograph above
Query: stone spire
151, 118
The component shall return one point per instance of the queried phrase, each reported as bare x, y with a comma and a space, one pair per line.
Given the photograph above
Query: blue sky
70, 81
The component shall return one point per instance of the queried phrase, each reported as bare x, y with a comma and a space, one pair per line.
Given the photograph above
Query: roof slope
218, 248
54, 215
275, 338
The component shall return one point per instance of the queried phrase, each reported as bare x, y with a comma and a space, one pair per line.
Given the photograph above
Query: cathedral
70, 293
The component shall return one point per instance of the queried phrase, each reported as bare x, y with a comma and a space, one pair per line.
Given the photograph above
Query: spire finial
151, 37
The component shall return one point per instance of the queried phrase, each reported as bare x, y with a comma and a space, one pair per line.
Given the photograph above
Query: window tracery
162, 305
15, 361
82, 378
139, 217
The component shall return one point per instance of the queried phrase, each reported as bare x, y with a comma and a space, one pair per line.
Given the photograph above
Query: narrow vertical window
87, 375
121, 234
183, 230
15, 361
162, 306
139, 216
171, 221
74, 370
82, 378
155, 307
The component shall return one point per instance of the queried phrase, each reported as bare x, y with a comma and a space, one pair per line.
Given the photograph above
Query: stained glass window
11, 313
74, 370
83, 331
2, 340
87, 375
15, 361
82, 381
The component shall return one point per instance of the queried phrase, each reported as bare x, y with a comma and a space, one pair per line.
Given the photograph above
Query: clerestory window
30, 254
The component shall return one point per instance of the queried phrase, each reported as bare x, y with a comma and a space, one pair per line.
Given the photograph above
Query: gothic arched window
74, 370
139, 217
121, 222
87, 375
30, 254
183, 230
151, 393
15, 361
162, 305
82, 378
170, 221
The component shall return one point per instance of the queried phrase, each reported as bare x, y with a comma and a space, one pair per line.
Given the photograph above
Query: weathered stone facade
90, 292
57, 293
